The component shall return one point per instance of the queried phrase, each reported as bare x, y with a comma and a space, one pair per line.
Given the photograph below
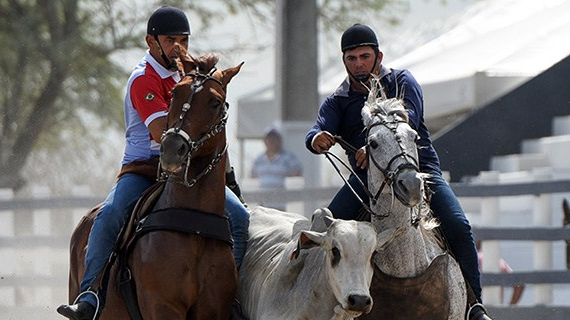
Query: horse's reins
328, 155
388, 175
196, 87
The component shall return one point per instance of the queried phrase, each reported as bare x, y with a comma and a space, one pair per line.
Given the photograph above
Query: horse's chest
421, 297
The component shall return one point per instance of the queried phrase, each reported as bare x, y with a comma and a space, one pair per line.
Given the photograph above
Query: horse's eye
373, 144
216, 104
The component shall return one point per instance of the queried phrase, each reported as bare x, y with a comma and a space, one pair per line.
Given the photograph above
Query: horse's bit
196, 87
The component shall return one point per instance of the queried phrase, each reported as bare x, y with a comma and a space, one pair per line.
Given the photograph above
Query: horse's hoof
80, 311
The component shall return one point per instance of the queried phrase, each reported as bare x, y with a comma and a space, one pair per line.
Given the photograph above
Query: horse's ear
229, 73
366, 115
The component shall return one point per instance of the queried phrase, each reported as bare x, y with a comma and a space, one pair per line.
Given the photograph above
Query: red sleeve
148, 97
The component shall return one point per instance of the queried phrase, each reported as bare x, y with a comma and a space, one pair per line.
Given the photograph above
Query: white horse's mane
379, 104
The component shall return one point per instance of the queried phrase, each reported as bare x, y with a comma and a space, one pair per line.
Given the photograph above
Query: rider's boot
82, 310
478, 312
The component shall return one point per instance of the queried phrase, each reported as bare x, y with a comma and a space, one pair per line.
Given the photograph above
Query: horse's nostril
182, 151
402, 185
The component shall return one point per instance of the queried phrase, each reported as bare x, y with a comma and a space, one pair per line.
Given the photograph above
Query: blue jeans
345, 205
446, 208
457, 230
116, 208
238, 217
119, 203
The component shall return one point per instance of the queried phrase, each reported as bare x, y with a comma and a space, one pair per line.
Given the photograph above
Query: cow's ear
309, 239
386, 237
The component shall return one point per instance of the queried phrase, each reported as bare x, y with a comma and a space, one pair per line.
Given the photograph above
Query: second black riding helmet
357, 36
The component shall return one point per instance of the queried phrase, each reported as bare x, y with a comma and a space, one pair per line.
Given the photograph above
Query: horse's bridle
389, 175
197, 86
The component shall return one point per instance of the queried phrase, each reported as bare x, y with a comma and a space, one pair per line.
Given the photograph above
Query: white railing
34, 241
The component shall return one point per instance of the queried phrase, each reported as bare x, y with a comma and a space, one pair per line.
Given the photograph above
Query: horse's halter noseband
197, 86
389, 174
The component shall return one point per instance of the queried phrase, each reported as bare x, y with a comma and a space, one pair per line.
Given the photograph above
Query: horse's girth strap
188, 221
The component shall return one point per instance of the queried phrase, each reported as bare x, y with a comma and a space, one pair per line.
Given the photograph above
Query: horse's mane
380, 104
205, 62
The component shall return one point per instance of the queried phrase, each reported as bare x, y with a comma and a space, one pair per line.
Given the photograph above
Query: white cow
294, 273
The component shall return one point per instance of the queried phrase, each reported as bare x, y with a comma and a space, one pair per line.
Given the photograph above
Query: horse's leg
163, 267
216, 300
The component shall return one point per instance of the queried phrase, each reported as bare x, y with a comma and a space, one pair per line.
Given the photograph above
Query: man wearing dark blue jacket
339, 115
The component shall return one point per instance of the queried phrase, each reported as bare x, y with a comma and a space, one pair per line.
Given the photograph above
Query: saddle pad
422, 297
143, 207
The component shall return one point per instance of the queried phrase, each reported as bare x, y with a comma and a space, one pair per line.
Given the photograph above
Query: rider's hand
361, 158
323, 141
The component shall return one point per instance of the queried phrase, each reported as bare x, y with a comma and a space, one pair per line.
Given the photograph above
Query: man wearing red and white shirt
146, 106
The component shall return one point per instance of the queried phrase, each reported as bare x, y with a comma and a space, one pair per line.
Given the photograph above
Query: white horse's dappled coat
393, 167
290, 272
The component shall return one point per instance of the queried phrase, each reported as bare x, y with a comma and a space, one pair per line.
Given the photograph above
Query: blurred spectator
504, 268
274, 165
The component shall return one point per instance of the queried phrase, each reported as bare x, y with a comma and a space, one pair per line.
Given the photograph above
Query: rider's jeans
116, 208
345, 205
120, 202
238, 217
446, 208
457, 230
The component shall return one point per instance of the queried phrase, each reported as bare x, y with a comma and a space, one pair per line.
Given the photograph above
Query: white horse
414, 277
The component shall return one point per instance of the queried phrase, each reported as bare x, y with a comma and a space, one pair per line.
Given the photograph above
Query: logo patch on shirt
149, 97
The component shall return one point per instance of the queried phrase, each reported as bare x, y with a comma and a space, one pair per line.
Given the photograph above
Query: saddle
413, 298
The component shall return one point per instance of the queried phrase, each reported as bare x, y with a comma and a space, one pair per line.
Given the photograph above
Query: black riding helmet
167, 20
359, 35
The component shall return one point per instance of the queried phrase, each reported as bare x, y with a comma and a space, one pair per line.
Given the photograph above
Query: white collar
162, 71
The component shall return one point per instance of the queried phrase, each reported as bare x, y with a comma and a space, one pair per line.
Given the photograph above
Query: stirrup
478, 304
97, 304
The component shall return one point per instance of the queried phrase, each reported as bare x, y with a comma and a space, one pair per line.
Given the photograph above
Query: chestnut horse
184, 269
